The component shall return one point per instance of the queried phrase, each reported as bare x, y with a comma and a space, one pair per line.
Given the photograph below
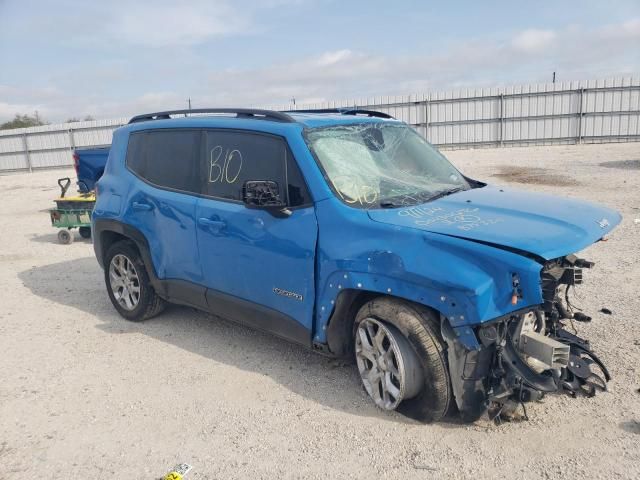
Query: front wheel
401, 358
127, 281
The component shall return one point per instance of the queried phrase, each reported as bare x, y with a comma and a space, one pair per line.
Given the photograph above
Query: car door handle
214, 225
145, 207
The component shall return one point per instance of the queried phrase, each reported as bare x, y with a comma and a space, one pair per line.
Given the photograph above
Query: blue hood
545, 225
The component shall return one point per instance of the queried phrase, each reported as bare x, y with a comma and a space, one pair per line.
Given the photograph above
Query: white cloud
331, 58
176, 24
9, 110
533, 40
25, 100
629, 29
527, 56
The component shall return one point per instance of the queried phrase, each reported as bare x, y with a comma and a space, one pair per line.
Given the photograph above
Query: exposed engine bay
529, 353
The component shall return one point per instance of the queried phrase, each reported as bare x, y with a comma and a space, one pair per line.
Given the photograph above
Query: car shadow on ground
79, 284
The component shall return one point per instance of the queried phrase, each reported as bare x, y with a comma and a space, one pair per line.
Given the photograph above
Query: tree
23, 121
76, 119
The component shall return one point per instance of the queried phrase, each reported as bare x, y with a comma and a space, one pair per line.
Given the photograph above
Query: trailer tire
147, 303
420, 326
65, 236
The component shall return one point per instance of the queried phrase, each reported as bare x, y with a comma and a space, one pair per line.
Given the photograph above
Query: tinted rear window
168, 158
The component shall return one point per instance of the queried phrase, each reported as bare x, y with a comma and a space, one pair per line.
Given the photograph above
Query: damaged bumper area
529, 353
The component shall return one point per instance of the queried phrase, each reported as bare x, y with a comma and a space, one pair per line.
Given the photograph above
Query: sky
107, 59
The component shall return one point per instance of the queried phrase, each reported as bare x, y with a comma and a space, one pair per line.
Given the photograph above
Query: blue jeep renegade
345, 231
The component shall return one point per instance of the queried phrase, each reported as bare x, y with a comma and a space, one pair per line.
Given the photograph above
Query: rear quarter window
168, 159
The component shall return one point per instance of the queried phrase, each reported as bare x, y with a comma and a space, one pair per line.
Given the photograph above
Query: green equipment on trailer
72, 212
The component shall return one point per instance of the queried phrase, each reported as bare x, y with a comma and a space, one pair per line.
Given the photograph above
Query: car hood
544, 225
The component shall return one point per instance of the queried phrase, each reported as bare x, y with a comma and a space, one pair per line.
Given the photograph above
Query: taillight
76, 162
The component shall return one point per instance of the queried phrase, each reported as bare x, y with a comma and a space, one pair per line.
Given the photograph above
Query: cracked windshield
383, 166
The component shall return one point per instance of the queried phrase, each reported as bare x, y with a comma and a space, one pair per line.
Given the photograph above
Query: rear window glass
168, 158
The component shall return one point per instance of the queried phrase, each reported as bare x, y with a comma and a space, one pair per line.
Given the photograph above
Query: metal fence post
426, 120
580, 115
72, 143
501, 133
26, 152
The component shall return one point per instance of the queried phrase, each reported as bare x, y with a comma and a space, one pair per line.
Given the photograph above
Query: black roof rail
239, 113
345, 111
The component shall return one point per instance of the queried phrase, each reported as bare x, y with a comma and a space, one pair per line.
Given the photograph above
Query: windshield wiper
444, 193
418, 197
391, 204
405, 200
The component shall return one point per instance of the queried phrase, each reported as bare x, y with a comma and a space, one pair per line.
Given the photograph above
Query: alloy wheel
124, 281
388, 366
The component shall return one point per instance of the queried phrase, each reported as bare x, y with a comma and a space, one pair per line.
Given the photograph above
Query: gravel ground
86, 395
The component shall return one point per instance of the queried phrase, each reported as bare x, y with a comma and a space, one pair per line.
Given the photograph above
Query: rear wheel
128, 285
401, 358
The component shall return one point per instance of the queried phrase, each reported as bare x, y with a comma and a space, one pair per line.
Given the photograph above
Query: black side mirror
262, 194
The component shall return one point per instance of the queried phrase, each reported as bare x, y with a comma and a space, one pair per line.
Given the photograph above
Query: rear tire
128, 285
420, 329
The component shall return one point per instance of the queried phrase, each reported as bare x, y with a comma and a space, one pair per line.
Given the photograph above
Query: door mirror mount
265, 195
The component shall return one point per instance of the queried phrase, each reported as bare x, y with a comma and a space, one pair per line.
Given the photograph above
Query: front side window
232, 158
378, 165
167, 158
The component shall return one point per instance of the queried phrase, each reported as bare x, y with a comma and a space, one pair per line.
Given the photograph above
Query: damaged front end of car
528, 353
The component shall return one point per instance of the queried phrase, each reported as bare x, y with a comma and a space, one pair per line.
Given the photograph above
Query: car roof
253, 118
314, 120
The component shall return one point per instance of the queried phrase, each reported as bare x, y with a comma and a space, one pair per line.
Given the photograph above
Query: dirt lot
87, 395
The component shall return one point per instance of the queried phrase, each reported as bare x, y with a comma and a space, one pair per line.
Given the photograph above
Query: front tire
128, 285
409, 372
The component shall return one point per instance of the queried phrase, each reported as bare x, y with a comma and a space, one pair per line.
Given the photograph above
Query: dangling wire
524, 409
570, 306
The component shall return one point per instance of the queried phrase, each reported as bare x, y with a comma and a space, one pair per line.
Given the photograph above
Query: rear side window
167, 158
232, 158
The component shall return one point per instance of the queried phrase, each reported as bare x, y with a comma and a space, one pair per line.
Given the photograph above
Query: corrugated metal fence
593, 111
51, 145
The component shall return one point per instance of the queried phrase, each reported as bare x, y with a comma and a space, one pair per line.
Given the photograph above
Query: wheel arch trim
106, 226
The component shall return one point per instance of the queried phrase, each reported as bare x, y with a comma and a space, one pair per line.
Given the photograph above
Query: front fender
467, 282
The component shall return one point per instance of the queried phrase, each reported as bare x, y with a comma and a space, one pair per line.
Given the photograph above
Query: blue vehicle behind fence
346, 232
89, 164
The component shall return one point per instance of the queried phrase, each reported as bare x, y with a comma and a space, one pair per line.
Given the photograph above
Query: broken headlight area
530, 353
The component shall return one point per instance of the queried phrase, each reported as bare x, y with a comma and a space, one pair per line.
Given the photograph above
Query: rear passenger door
163, 204
258, 268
